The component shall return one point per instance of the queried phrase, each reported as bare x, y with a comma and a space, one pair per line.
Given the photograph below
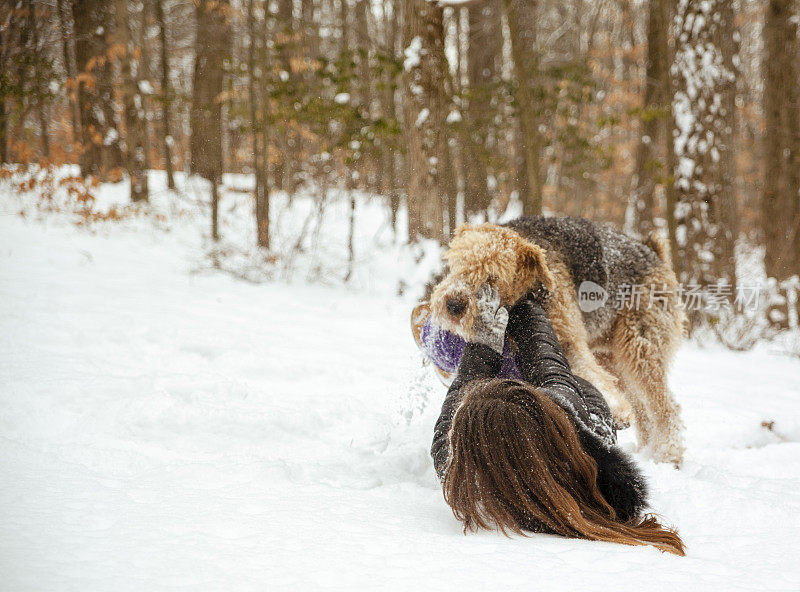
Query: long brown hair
517, 464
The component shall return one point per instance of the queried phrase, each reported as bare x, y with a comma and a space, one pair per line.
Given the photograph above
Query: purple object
444, 349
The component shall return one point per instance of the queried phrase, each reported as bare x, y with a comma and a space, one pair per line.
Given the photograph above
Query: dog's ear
461, 229
531, 259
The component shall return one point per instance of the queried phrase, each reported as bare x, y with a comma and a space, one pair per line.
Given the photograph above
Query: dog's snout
455, 306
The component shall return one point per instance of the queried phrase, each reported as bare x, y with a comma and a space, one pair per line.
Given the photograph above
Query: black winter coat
543, 364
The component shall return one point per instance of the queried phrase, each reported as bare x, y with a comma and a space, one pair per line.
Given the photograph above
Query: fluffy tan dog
622, 345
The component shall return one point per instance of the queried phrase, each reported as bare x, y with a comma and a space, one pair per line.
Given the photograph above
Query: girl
536, 453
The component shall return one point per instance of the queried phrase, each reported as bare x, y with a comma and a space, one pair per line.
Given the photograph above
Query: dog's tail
656, 241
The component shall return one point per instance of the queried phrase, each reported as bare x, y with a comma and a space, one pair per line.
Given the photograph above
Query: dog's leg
567, 320
606, 360
644, 342
640, 415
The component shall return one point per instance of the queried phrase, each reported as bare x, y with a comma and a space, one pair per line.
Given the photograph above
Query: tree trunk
284, 172
424, 119
704, 129
389, 110
655, 131
215, 209
5, 50
525, 68
310, 29
261, 189
780, 211
265, 129
211, 49
38, 86
364, 82
351, 233
68, 47
166, 95
3, 132
143, 74
484, 50
726, 208
100, 149
132, 104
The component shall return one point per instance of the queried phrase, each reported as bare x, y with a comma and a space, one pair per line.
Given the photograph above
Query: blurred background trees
675, 115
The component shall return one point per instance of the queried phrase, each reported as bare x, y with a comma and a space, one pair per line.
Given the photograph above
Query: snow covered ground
167, 426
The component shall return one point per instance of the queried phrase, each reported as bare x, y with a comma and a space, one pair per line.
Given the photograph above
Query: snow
454, 117
112, 136
422, 117
167, 426
145, 87
412, 53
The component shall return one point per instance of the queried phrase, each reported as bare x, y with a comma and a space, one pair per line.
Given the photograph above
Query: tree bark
5, 57
100, 149
654, 122
424, 119
132, 104
68, 47
39, 87
211, 49
727, 206
703, 134
525, 68
780, 211
261, 189
284, 171
484, 50
389, 111
3, 132
166, 95
143, 74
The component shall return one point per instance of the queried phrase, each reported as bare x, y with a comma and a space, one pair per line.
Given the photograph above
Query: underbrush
317, 237
43, 191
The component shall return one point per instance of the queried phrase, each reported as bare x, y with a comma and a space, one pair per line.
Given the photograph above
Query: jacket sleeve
602, 420
543, 363
478, 361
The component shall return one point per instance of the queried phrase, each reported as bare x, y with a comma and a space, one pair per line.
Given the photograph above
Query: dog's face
485, 254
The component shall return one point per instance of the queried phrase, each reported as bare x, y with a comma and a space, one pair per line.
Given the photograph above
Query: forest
219, 225
679, 116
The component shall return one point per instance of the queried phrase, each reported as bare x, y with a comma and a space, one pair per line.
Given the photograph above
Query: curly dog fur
623, 348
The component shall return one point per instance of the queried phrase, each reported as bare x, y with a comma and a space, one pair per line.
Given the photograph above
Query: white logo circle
591, 296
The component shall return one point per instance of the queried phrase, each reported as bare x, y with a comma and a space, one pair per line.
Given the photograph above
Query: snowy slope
168, 427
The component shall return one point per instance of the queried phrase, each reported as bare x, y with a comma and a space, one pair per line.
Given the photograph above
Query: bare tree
780, 209
259, 168
655, 138
211, 49
389, 108
484, 52
133, 105
68, 49
704, 128
9, 87
424, 103
38, 18
727, 206
100, 148
166, 94
525, 68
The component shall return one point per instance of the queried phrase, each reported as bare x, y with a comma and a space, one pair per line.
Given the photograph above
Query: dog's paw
621, 423
622, 413
669, 452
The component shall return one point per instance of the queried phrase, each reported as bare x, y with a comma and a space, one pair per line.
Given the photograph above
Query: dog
613, 302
